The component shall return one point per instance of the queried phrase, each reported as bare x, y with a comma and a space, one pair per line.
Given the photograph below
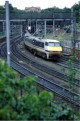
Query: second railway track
51, 85
39, 65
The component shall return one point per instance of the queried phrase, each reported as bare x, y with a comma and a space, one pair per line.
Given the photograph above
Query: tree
21, 99
2, 10
76, 8
71, 72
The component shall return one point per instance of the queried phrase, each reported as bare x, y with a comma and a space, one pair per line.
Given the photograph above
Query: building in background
34, 9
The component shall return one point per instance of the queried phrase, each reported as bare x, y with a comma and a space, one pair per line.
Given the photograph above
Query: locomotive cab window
57, 44
46, 43
53, 44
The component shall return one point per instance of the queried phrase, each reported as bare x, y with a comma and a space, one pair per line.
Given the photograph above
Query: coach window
37, 43
41, 44
27, 39
33, 41
46, 43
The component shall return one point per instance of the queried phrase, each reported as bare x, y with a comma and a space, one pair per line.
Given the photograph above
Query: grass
60, 37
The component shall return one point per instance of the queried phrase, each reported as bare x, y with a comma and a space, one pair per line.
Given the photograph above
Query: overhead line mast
7, 32
73, 22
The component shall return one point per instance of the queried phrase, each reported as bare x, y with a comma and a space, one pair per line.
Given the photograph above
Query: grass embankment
60, 37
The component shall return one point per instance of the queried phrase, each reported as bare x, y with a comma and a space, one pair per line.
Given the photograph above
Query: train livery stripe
55, 48
35, 47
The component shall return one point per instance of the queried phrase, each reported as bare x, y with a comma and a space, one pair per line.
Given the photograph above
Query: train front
53, 49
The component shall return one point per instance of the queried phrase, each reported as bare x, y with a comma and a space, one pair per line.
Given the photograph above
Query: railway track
50, 85
40, 66
64, 61
33, 63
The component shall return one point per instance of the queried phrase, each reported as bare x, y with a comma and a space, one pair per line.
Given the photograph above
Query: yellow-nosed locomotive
46, 48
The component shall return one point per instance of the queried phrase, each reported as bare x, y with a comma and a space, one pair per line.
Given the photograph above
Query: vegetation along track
64, 60
40, 66
51, 85
43, 80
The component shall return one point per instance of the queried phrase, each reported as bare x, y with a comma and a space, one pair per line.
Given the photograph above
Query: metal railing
36, 15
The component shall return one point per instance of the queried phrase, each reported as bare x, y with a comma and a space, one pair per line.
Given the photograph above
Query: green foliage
76, 8
21, 100
62, 112
78, 115
45, 98
46, 12
2, 10
28, 85
71, 71
52, 10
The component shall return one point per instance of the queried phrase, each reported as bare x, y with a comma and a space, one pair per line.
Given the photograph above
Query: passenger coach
46, 48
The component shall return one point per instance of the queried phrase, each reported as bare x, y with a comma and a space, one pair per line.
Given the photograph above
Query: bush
21, 100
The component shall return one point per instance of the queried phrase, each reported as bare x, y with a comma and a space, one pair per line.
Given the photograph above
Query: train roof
50, 40
27, 34
40, 39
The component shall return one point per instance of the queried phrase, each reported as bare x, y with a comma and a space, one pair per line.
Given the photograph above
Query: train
46, 48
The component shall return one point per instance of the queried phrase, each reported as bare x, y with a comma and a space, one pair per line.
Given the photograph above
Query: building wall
37, 9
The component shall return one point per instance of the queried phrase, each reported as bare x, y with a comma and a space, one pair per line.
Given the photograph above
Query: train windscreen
52, 44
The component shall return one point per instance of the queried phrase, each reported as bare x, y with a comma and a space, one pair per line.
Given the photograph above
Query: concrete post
45, 28
7, 32
3, 27
53, 27
36, 25
73, 32
21, 30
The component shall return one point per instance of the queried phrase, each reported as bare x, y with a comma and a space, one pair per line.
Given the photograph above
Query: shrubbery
21, 100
